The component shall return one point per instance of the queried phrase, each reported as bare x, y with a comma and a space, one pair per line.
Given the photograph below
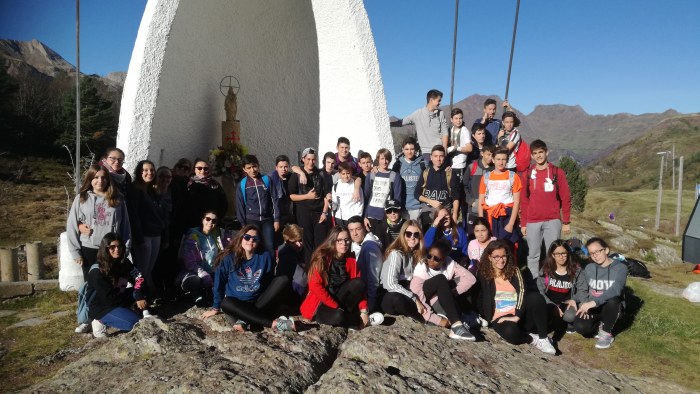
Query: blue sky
607, 56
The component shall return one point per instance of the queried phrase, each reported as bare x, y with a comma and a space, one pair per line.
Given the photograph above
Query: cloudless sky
607, 56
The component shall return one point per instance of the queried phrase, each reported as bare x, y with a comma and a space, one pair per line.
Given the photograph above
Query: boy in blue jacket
256, 202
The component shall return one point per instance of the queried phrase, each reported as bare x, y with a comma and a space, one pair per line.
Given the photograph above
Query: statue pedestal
229, 186
230, 131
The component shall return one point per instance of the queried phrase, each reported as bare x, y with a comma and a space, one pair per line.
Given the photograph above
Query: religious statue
230, 105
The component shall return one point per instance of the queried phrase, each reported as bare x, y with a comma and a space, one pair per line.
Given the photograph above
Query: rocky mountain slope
186, 354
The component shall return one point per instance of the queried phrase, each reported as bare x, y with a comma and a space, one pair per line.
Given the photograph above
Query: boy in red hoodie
545, 204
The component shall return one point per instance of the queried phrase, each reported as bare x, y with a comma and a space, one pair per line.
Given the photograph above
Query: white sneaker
146, 314
83, 328
376, 319
543, 344
99, 330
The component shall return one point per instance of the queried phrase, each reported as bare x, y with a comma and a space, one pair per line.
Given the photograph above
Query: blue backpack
85, 296
266, 182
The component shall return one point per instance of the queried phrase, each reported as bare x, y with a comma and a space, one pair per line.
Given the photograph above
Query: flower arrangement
227, 160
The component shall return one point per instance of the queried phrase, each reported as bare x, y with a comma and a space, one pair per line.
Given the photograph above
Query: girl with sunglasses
438, 282
514, 312
601, 301
245, 286
444, 227
203, 193
337, 295
559, 282
200, 247
397, 272
116, 284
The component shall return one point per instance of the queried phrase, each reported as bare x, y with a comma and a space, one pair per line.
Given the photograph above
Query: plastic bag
692, 292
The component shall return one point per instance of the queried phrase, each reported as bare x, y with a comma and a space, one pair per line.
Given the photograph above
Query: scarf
111, 170
206, 180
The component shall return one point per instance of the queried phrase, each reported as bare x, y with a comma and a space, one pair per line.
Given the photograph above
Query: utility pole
76, 173
661, 186
454, 55
680, 195
673, 167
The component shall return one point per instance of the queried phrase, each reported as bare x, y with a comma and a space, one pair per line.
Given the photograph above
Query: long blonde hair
401, 245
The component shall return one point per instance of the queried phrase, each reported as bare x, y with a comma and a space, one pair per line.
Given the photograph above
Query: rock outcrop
185, 354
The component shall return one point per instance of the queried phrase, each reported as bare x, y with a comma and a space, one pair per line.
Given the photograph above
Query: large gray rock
411, 357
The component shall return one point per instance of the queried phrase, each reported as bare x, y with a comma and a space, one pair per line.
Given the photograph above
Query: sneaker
471, 320
99, 330
600, 330
543, 344
570, 329
243, 324
376, 319
604, 340
146, 314
83, 328
484, 323
461, 332
285, 324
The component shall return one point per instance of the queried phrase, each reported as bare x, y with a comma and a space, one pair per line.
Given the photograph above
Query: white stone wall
308, 72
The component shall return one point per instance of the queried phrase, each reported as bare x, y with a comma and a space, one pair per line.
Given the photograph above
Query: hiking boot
604, 340
83, 328
461, 332
543, 344
376, 319
285, 324
99, 330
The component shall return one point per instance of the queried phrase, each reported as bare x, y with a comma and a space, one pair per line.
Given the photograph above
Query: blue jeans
120, 318
267, 227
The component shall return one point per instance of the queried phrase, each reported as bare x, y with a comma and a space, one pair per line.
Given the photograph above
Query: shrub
577, 183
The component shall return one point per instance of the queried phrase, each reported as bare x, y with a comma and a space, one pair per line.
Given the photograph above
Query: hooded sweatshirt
604, 283
102, 219
452, 271
245, 282
369, 263
410, 171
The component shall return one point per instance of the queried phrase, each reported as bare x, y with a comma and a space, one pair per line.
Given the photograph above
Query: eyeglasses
114, 247
117, 159
597, 252
342, 241
410, 234
560, 254
499, 257
249, 237
434, 258
213, 221
205, 169
393, 210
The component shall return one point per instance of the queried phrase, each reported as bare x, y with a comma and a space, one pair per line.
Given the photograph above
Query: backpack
511, 176
85, 296
635, 268
448, 176
558, 173
266, 182
523, 156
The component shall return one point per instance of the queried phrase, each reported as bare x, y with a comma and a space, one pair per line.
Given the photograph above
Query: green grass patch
662, 340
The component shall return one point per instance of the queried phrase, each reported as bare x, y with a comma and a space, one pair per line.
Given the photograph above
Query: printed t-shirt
506, 298
499, 190
559, 287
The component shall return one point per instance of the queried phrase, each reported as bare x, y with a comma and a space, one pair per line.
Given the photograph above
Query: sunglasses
393, 210
410, 234
434, 258
205, 169
249, 237
212, 220
114, 247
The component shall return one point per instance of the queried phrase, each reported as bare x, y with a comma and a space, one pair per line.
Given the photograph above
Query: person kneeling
116, 284
437, 281
512, 310
245, 286
337, 295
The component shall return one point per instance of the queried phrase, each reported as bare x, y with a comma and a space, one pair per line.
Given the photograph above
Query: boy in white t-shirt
499, 198
344, 207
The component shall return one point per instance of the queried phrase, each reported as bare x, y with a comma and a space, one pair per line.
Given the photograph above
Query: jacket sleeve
191, 255
138, 282
463, 241
367, 188
390, 273
125, 228
463, 278
72, 231
519, 311
580, 290
542, 287
220, 281
419, 187
620, 276
240, 205
276, 214
429, 237
134, 202
524, 198
398, 189
417, 289
564, 196
318, 289
370, 265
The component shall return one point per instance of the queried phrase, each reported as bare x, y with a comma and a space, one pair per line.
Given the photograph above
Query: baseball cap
308, 151
391, 204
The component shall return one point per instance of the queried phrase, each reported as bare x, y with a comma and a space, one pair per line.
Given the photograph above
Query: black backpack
635, 268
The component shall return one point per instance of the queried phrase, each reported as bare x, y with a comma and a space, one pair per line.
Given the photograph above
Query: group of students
357, 237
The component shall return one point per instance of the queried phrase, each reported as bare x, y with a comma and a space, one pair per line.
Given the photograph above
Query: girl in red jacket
337, 296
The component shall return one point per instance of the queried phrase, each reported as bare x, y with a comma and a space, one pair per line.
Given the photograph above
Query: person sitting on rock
337, 295
245, 286
397, 272
517, 314
559, 281
438, 281
482, 237
116, 284
602, 295
444, 227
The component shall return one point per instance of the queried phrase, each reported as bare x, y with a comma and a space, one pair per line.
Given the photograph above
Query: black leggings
533, 321
395, 304
347, 314
256, 312
89, 256
440, 286
193, 286
606, 313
